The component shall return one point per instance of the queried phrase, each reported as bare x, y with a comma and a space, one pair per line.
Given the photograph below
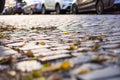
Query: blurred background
13, 7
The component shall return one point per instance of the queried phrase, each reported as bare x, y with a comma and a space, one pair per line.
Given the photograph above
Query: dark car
2, 3
17, 7
92, 5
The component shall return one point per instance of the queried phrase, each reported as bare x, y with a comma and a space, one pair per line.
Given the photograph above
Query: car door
86, 4
108, 3
51, 4
47, 4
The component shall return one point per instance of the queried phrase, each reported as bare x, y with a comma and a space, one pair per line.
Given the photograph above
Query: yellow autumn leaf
73, 47
51, 68
102, 21
83, 71
66, 33
42, 43
40, 78
95, 47
65, 65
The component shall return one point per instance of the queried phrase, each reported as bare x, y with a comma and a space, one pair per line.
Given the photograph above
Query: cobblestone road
86, 47
62, 21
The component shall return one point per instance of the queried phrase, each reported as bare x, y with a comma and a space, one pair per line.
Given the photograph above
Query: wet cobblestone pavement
64, 47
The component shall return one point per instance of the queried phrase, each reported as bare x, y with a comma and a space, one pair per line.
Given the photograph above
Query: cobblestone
64, 21
81, 46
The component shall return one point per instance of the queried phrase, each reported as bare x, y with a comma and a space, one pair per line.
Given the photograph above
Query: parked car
32, 6
59, 6
117, 3
13, 7
91, 5
18, 7
7, 10
2, 3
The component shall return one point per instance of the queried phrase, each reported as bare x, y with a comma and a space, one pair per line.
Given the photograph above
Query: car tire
24, 13
31, 12
2, 3
57, 9
12, 11
74, 9
43, 10
99, 7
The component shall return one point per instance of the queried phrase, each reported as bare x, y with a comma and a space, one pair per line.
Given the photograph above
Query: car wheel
2, 3
12, 11
99, 7
23, 12
43, 11
31, 12
57, 9
74, 9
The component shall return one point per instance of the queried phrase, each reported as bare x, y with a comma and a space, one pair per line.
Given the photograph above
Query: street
84, 21
60, 47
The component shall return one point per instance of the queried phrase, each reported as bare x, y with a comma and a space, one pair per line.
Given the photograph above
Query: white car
32, 6
59, 6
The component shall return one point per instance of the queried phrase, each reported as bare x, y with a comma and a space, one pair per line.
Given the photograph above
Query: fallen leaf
65, 65
66, 33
